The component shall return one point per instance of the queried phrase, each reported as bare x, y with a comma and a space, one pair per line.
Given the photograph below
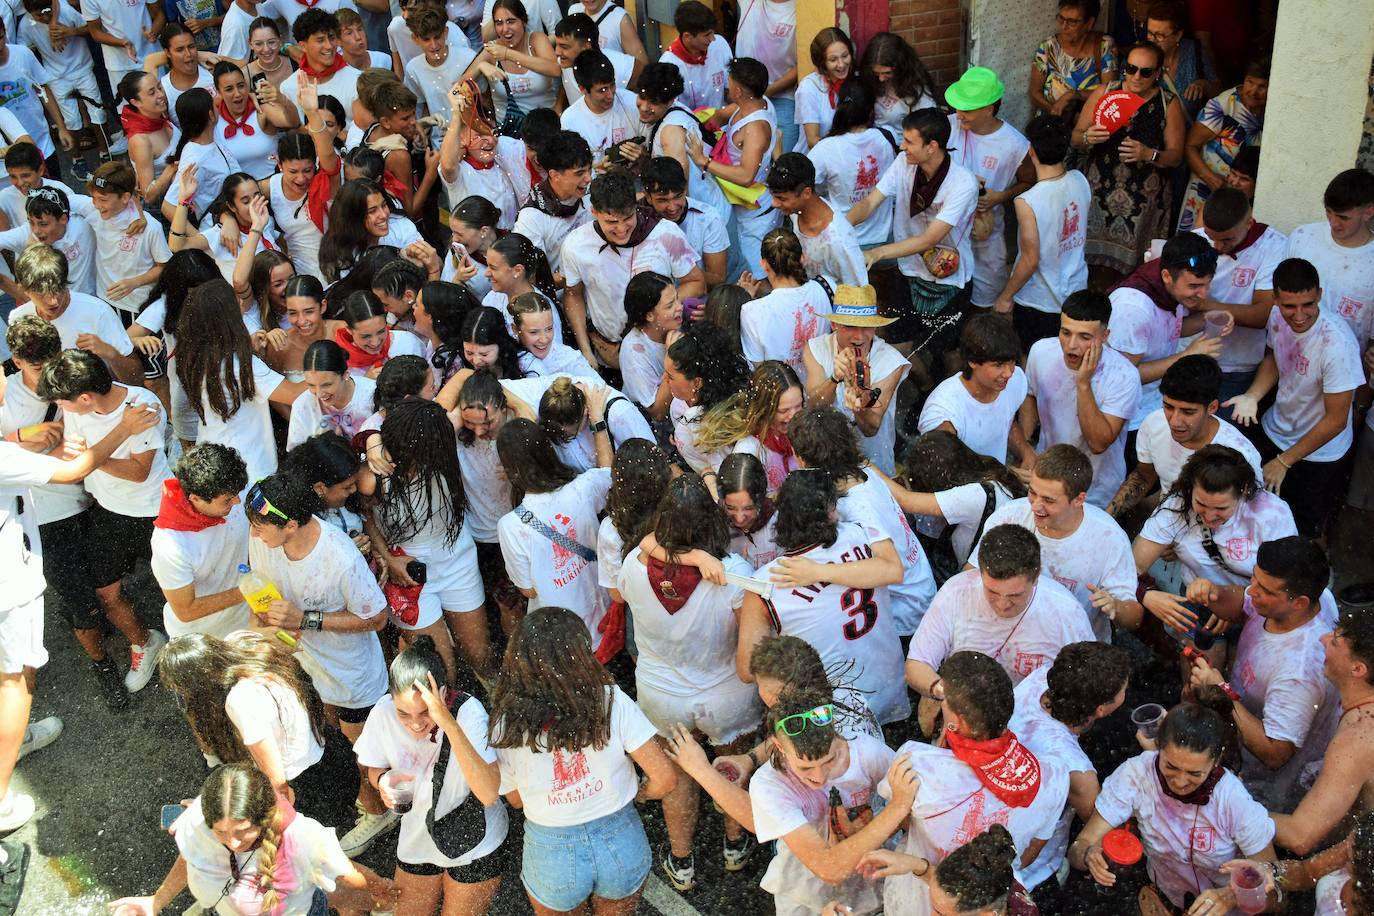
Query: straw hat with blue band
979, 87
857, 307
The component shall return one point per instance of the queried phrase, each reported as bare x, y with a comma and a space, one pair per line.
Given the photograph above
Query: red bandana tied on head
309, 69
358, 358
678, 49
176, 513
1004, 766
136, 122
672, 583
233, 125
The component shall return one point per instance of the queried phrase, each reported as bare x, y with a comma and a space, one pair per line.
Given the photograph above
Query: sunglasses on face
1146, 72
794, 725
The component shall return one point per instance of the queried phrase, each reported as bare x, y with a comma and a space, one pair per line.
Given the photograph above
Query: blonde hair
527, 304
41, 269
748, 412
367, 84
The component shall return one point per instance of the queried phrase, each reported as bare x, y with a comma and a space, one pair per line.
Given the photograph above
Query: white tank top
733, 149
256, 152
203, 81
301, 235
700, 187
160, 160
1060, 207
531, 89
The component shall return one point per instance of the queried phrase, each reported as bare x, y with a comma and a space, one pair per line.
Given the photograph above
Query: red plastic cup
1248, 885
1121, 849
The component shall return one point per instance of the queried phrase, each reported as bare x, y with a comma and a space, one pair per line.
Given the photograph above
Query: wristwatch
313, 620
599, 426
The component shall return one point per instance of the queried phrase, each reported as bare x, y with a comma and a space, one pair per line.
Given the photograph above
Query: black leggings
327, 790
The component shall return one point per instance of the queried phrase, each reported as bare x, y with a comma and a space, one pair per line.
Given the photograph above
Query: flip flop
12, 876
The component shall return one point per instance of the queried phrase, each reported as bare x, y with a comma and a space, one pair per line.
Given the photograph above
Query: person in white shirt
666, 123
556, 205
1342, 250
1052, 228
1081, 547
1193, 814
574, 36
701, 55
781, 324
567, 741
50, 221
983, 775
535, 323
1157, 305
128, 265
432, 73
850, 158
653, 315
667, 190
616, 29
1242, 285
335, 400
200, 539
1286, 711
980, 403
996, 154
830, 247
127, 33
833, 59
1081, 392
600, 257
68, 63
605, 115
402, 46
1185, 423
1314, 360
317, 32
127, 492
1007, 608
898, 80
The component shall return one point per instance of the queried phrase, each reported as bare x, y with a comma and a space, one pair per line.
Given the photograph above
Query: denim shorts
607, 858
319, 904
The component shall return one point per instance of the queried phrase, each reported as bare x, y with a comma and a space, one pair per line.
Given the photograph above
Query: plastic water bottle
259, 592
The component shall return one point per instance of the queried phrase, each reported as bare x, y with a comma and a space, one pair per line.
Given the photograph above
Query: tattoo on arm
1132, 491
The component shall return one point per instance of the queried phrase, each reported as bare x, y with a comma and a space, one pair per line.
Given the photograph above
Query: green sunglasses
794, 725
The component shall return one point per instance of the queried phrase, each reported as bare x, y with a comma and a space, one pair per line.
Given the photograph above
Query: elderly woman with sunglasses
1127, 166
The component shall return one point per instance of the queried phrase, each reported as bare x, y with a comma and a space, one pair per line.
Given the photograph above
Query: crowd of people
515, 423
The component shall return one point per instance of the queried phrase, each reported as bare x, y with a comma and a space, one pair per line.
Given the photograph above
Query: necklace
280, 62
1365, 702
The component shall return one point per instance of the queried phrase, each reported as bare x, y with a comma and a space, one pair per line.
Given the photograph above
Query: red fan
1114, 109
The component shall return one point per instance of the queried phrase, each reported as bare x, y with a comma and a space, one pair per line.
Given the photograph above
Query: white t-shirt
883, 360
960, 619
213, 164
567, 788
1116, 391
309, 417
343, 85
641, 365
890, 110
559, 577
963, 507
547, 232
248, 429
1060, 208
203, 81
77, 245
847, 168
782, 804
872, 503
1048, 739
138, 499
705, 229
781, 324
432, 83
607, 20
403, 43
233, 32
847, 625
984, 428
289, 10
1141, 328
1185, 844
766, 33
1262, 517
704, 82
1347, 275
623, 65
953, 205
623, 420
1325, 359
608, 561
506, 184
124, 20
20, 470
209, 560
22, 78
601, 131
122, 256
691, 650
20, 408
1155, 445
67, 65
1239, 275
760, 548
605, 270
84, 315
332, 577
813, 107
1096, 553
262, 708
994, 158
1280, 681
386, 744
834, 252
298, 230
312, 851
560, 360
487, 492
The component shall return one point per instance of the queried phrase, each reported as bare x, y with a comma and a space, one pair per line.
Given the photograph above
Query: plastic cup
1215, 322
1122, 849
1147, 718
402, 789
1247, 883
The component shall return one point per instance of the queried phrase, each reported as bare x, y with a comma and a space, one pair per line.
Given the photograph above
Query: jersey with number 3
851, 628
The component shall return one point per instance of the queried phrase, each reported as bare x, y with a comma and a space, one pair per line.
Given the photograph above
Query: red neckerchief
233, 125
678, 49
176, 513
321, 75
479, 166
832, 89
1199, 796
641, 232
1147, 279
317, 194
1256, 230
266, 242
778, 442
358, 358
672, 583
308, 4
393, 185
136, 122
923, 190
535, 177
1004, 766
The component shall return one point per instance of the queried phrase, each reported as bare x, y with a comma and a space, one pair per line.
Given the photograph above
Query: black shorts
154, 366
115, 544
1033, 325
492, 566
353, 716
475, 872
65, 559
1312, 489
326, 791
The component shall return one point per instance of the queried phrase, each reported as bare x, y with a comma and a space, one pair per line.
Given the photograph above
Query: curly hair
825, 438
1214, 469
690, 519
812, 742
979, 691
639, 476
806, 506
1084, 676
978, 874
704, 352
402, 377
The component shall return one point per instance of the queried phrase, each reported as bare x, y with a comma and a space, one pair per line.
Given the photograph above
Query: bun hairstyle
782, 251
978, 875
1203, 726
416, 665
401, 377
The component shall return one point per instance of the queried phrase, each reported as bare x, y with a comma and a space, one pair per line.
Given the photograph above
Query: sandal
12, 876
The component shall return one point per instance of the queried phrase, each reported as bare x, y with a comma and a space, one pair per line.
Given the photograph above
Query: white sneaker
368, 828
16, 811
39, 735
120, 146
143, 661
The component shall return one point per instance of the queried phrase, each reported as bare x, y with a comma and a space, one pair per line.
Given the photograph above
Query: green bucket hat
977, 88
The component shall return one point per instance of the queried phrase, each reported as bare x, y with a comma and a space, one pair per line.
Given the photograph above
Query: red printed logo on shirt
562, 556
1070, 584
1237, 549
127, 243
1301, 364
1242, 277
1202, 839
867, 179
1025, 663
1349, 308
989, 162
569, 769
1247, 675
1069, 227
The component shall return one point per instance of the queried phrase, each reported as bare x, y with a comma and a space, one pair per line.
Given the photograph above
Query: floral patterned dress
1131, 200
1235, 127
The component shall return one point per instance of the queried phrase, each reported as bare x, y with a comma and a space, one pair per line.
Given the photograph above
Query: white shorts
453, 583
722, 713
67, 90
21, 638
